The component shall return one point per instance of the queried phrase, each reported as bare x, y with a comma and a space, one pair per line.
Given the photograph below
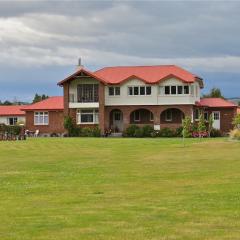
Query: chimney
79, 66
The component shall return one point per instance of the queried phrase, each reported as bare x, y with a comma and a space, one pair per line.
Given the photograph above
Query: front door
117, 121
216, 120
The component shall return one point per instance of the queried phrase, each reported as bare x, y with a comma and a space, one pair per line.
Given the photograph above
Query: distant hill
235, 100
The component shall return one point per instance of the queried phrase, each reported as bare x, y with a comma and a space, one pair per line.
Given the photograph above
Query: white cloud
122, 34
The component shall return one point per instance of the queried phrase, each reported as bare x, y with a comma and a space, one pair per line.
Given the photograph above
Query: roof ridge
133, 66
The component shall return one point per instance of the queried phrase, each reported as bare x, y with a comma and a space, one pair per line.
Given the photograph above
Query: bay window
87, 116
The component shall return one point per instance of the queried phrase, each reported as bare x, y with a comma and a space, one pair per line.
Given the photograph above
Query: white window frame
134, 116
114, 91
15, 120
139, 86
163, 92
166, 115
94, 112
41, 115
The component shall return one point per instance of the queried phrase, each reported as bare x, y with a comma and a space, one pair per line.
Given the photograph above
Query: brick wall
55, 123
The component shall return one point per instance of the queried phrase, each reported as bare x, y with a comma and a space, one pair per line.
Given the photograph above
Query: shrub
187, 125
96, 132
69, 126
14, 130
131, 130
147, 131
179, 132
236, 122
90, 132
167, 132
235, 134
215, 133
139, 133
86, 132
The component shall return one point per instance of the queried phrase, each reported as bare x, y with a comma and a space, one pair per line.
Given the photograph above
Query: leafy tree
7, 103
236, 122
210, 124
186, 125
38, 98
201, 125
214, 93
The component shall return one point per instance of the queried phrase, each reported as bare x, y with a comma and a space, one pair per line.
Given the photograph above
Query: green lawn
119, 189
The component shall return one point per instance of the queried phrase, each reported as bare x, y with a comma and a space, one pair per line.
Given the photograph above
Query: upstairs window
114, 91
87, 93
174, 90
41, 118
139, 90
167, 90
180, 89
186, 89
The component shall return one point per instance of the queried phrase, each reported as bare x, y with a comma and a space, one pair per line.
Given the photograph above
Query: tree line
37, 98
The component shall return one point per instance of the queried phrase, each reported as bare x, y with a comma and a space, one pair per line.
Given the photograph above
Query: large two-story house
161, 96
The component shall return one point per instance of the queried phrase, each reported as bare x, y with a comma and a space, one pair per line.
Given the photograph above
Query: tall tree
38, 98
214, 93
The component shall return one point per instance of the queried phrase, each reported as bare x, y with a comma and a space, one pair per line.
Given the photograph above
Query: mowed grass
87, 188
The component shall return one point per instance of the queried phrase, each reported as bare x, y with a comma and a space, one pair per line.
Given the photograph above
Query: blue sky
41, 41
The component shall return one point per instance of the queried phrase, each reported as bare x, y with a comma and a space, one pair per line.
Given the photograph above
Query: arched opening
141, 116
116, 120
172, 116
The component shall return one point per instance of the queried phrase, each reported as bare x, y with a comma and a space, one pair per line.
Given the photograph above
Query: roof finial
79, 66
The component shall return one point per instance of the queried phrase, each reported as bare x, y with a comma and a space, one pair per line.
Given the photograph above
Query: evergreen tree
214, 93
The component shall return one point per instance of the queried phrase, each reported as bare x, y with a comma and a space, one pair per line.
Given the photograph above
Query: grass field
119, 189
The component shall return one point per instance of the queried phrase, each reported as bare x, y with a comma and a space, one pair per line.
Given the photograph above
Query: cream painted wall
154, 99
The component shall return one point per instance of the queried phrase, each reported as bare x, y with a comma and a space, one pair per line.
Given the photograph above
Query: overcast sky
40, 41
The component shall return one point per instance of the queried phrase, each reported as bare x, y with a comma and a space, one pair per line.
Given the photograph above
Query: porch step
115, 135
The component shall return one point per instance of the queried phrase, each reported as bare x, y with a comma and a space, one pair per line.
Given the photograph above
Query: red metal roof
52, 103
11, 111
215, 102
148, 74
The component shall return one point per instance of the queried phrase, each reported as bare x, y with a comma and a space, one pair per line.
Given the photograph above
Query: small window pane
186, 89
142, 90
111, 91
130, 90
117, 91
180, 89
136, 90
167, 90
148, 90
137, 116
173, 90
